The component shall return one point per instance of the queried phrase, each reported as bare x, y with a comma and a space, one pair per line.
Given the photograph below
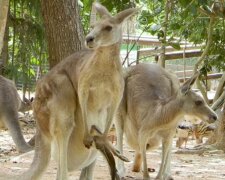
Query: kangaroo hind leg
63, 128
41, 158
87, 172
164, 172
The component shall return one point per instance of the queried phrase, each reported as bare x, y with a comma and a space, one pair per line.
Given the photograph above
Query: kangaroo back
148, 87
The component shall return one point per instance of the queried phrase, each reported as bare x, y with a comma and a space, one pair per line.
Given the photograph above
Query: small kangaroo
10, 104
76, 101
152, 105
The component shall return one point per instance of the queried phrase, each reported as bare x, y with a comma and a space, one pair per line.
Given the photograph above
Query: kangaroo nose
214, 117
89, 39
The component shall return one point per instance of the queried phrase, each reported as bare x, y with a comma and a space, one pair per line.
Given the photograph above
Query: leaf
80, 3
175, 26
32, 72
184, 3
206, 8
155, 27
174, 45
193, 9
160, 34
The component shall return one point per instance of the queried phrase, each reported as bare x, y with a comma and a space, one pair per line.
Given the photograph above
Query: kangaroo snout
89, 41
212, 118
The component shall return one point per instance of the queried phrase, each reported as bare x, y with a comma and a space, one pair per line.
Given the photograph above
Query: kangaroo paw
88, 141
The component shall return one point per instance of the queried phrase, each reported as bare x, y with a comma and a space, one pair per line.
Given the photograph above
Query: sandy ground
207, 166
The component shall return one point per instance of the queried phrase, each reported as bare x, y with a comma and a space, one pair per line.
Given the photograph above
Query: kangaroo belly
154, 142
78, 155
131, 134
98, 118
100, 96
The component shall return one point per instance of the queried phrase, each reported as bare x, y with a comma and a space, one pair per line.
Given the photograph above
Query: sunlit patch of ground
208, 166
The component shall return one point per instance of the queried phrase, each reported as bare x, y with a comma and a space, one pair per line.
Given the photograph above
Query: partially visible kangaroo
152, 105
10, 104
76, 101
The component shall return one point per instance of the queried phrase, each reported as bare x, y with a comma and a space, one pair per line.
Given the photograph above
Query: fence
179, 61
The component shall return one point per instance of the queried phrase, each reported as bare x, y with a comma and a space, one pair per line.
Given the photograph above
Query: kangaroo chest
101, 82
102, 85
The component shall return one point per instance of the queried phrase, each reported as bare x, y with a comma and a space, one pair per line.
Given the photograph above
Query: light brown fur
82, 91
152, 105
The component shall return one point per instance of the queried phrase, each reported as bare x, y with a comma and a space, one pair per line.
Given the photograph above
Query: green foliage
27, 47
187, 23
85, 10
217, 58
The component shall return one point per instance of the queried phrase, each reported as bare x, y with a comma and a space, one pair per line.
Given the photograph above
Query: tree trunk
221, 131
5, 50
218, 138
4, 6
63, 28
162, 56
220, 87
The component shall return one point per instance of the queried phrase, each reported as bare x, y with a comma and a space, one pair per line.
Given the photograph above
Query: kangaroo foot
108, 150
25, 148
88, 141
103, 141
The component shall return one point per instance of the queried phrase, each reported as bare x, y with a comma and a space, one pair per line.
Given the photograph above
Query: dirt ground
207, 166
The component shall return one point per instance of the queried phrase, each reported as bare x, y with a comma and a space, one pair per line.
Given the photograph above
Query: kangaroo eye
108, 28
198, 103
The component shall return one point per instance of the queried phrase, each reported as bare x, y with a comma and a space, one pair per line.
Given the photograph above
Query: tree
4, 6
25, 50
4, 52
216, 141
63, 28
221, 131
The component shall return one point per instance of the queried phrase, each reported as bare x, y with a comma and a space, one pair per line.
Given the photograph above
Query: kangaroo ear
187, 84
123, 15
26, 100
101, 10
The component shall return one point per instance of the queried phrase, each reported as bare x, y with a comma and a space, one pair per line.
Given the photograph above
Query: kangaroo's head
26, 105
107, 30
194, 105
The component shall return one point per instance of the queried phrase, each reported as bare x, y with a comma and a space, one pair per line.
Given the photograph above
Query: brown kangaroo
10, 104
76, 101
152, 105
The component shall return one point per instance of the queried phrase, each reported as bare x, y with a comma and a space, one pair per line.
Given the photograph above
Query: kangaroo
152, 105
76, 100
10, 104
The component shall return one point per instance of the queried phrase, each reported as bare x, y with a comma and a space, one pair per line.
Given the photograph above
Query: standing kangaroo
152, 105
78, 96
10, 104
